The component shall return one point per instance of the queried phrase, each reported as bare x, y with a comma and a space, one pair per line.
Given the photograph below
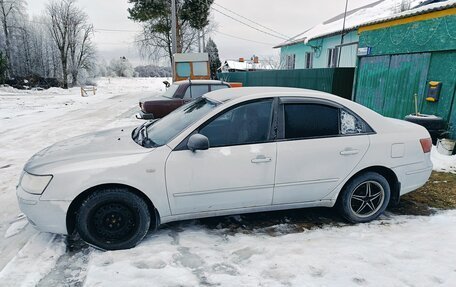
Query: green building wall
320, 48
438, 34
434, 39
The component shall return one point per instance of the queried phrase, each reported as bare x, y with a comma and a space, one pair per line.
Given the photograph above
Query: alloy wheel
367, 199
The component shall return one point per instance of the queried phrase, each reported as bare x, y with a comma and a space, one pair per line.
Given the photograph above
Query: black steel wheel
113, 219
365, 197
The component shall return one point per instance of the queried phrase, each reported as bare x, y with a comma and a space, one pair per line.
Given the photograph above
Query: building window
333, 55
309, 60
200, 69
290, 62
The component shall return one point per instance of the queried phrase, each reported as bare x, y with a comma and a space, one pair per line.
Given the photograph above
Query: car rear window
196, 91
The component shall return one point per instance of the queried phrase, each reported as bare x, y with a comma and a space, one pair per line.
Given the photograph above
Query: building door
387, 84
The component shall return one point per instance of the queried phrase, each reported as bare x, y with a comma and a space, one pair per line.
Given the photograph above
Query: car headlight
34, 184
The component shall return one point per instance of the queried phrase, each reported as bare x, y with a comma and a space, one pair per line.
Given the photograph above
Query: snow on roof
418, 10
378, 11
243, 66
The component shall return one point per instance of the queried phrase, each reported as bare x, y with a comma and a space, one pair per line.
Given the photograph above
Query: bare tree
9, 11
72, 34
81, 49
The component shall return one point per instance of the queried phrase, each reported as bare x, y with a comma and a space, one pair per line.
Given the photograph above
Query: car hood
97, 145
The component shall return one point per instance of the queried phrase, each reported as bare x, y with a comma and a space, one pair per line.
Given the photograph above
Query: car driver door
236, 172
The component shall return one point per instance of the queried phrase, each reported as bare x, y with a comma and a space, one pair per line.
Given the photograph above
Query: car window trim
183, 144
298, 100
179, 94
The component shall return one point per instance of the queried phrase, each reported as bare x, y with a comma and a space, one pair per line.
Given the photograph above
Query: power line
115, 30
248, 25
256, 23
240, 38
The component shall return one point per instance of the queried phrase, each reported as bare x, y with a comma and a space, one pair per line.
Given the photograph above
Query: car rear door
236, 172
320, 143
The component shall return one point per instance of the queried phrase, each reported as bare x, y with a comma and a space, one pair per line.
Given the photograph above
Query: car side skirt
319, 203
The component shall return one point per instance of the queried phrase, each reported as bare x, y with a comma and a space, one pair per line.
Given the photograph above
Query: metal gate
387, 84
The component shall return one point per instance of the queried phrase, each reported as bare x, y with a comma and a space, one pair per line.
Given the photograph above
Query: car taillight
426, 145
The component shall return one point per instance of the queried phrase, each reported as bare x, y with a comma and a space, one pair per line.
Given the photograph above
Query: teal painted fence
337, 81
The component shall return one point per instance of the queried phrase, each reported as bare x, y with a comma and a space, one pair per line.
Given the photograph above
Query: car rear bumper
145, 116
413, 176
44, 215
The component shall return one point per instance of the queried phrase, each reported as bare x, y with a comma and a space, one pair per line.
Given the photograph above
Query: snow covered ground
443, 163
393, 251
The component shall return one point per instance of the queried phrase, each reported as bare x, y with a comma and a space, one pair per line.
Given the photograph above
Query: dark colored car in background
177, 95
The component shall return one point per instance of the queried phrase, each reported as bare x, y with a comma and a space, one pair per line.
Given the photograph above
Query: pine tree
155, 15
214, 60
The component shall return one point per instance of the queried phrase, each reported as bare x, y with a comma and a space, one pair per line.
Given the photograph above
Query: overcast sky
289, 17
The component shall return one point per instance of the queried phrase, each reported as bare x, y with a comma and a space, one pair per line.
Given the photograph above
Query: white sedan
231, 151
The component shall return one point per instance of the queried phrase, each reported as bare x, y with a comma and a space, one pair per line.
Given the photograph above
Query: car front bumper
44, 215
145, 116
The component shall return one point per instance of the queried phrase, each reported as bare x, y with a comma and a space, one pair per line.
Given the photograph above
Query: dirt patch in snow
438, 193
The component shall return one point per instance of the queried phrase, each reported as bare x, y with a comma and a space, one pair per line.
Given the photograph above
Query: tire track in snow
71, 268
33, 261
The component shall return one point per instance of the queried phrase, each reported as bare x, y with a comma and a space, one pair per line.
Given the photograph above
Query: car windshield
164, 130
171, 91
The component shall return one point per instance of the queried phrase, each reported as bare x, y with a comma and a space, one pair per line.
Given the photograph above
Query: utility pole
199, 41
173, 26
342, 35
204, 42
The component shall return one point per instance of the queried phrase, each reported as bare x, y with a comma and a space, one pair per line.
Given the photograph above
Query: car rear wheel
365, 197
113, 219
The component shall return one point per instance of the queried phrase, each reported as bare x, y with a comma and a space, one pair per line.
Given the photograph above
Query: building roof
376, 12
191, 57
422, 9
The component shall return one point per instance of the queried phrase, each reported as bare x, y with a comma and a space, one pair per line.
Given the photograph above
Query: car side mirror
198, 142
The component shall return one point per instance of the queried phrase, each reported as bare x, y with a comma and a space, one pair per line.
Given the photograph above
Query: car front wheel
113, 219
365, 197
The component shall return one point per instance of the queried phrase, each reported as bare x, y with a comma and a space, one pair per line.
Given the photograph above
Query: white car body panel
309, 169
221, 178
220, 181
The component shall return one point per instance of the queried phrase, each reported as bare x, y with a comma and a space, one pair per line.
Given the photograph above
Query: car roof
225, 95
200, 82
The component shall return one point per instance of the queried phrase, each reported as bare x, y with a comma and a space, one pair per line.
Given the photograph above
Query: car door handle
349, 151
261, 159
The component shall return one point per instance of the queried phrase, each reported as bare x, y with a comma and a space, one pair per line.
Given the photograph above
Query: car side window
310, 120
195, 91
218, 87
351, 125
245, 124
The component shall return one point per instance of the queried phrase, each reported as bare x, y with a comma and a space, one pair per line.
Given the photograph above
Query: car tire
428, 121
364, 198
113, 219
